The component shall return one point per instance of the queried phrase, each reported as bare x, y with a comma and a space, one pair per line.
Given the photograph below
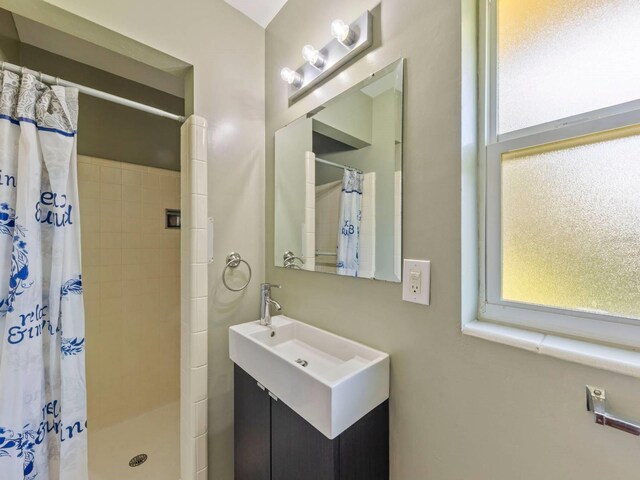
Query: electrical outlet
416, 281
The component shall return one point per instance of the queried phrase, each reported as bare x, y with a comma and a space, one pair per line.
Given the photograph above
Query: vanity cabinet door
364, 447
298, 450
252, 417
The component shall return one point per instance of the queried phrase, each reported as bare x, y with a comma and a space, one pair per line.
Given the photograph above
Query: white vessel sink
342, 381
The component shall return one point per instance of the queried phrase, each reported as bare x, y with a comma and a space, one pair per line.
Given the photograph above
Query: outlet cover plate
424, 267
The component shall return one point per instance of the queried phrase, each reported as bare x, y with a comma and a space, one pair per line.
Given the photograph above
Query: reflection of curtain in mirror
349, 227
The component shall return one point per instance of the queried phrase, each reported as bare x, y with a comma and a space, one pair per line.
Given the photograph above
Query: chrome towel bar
289, 260
596, 403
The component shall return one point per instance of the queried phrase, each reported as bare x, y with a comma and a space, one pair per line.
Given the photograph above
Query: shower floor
156, 433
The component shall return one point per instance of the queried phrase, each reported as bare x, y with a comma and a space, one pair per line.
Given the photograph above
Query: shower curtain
349, 228
42, 377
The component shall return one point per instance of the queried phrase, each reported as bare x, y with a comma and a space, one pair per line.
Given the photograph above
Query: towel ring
233, 261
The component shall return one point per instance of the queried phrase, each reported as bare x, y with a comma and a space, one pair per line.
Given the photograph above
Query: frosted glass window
571, 224
558, 58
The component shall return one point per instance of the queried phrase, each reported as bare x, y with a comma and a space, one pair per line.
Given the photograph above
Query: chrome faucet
266, 302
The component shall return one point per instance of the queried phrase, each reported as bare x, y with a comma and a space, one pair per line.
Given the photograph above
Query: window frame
600, 328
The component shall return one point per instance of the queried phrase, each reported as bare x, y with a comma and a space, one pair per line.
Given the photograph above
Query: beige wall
226, 50
131, 277
293, 143
9, 44
461, 408
348, 120
108, 130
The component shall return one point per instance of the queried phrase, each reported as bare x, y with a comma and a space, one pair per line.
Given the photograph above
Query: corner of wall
194, 289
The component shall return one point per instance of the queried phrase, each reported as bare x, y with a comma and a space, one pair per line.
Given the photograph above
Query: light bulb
291, 77
313, 56
342, 32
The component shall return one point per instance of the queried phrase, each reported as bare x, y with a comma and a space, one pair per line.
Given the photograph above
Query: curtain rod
93, 92
337, 165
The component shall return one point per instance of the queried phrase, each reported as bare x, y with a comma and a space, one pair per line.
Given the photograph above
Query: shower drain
138, 460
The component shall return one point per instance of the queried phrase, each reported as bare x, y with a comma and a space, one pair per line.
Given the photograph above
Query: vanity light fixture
313, 56
347, 42
342, 32
292, 77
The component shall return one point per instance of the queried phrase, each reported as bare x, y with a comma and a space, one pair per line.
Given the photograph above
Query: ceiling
260, 11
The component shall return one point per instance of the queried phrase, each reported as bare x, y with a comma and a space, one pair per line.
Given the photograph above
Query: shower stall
141, 176
131, 279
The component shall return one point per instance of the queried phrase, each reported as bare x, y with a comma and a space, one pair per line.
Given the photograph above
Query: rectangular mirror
338, 183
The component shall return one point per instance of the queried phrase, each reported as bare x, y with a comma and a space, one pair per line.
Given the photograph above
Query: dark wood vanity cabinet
252, 428
272, 442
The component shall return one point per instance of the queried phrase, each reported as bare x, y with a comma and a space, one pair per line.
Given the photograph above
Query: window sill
605, 357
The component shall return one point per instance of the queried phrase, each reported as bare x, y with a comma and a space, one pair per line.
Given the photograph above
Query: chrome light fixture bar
348, 42
313, 56
291, 77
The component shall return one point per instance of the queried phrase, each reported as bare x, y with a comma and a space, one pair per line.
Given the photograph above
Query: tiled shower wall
309, 227
327, 217
131, 277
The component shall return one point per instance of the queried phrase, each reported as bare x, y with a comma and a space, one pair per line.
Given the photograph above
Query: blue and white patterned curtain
42, 372
349, 229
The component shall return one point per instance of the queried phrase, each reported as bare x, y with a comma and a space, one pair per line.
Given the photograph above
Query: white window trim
595, 340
